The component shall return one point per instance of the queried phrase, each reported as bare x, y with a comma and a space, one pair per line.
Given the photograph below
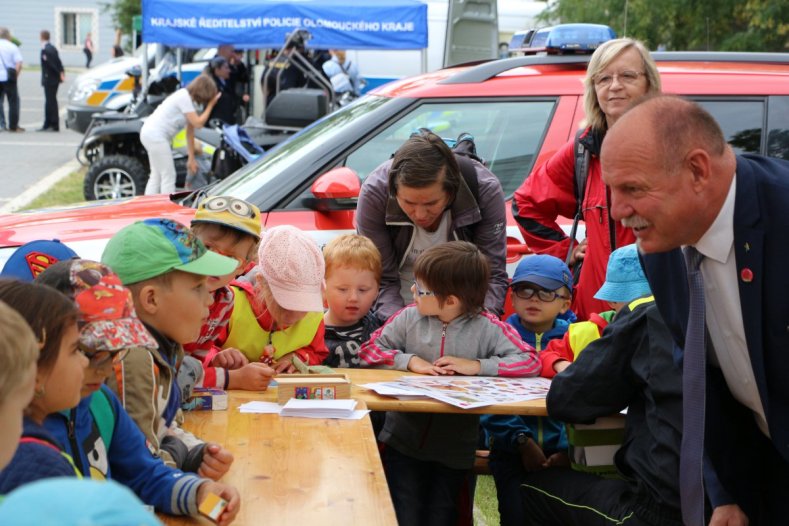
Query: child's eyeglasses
527, 293
102, 358
420, 292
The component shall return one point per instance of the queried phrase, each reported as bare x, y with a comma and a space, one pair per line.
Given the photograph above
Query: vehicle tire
114, 177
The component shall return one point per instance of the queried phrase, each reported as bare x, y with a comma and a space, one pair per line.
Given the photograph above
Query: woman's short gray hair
602, 57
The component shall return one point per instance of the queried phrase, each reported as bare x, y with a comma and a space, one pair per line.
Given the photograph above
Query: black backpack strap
582, 158
469, 174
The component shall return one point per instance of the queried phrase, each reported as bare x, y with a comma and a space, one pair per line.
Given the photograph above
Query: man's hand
230, 359
421, 366
227, 492
558, 459
253, 376
191, 165
453, 364
216, 461
532, 457
728, 515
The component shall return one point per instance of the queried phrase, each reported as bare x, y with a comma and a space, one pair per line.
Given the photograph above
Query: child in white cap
278, 311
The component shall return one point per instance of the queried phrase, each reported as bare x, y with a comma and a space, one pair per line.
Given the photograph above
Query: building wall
26, 18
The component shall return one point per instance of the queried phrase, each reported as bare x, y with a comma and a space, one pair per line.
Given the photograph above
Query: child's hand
558, 459
253, 376
267, 356
560, 365
216, 461
230, 359
532, 457
421, 366
285, 364
453, 364
227, 492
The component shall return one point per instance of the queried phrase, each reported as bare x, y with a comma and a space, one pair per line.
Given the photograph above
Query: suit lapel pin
747, 247
746, 275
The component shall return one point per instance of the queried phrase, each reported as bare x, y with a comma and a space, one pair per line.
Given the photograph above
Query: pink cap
293, 266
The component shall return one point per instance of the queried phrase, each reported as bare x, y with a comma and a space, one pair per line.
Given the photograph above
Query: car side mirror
337, 189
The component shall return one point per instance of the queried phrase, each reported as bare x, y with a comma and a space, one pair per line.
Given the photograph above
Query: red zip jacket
549, 192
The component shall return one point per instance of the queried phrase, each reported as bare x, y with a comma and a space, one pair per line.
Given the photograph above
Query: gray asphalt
30, 156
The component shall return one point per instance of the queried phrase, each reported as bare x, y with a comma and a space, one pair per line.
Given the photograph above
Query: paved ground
29, 157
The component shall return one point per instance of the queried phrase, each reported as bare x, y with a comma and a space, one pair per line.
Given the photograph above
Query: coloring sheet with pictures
468, 392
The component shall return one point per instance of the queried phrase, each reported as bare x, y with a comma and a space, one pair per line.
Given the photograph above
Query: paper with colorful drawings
466, 392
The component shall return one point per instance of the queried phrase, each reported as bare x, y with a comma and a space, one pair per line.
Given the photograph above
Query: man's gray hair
5, 33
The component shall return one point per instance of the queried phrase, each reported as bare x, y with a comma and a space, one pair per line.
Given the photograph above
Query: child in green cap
166, 267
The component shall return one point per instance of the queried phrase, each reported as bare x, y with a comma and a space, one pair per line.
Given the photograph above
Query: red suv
520, 111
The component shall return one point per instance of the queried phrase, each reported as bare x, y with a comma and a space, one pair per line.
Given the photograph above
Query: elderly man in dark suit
52, 74
714, 230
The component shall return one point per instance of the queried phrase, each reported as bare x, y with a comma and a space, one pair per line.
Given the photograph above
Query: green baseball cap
150, 248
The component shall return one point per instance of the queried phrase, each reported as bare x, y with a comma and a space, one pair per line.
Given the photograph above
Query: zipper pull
71, 427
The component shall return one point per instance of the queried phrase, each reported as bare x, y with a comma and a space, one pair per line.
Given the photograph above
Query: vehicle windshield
252, 177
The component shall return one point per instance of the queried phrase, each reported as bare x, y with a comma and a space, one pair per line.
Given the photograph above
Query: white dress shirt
723, 311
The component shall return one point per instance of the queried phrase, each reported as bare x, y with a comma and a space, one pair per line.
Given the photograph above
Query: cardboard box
206, 399
312, 387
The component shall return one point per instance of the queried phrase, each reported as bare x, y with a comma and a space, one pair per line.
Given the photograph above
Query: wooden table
377, 402
296, 471
309, 471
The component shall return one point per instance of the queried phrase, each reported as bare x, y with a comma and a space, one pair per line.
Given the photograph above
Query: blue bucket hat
546, 271
68, 501
624, 278
33, 258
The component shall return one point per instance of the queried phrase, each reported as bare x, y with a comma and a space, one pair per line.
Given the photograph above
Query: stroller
236, 149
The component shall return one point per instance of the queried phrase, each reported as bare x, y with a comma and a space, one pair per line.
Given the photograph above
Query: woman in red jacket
620, 72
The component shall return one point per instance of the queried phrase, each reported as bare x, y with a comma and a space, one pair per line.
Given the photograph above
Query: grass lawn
486, 504
65, 192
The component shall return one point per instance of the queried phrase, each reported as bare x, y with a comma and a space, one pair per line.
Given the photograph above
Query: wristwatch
521, 439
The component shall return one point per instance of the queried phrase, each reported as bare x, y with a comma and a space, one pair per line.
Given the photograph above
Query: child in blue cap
541, 292
624, 282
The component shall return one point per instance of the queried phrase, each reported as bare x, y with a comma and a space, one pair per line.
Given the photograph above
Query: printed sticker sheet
466, 392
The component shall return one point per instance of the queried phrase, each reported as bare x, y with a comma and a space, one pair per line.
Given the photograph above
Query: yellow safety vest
246, 334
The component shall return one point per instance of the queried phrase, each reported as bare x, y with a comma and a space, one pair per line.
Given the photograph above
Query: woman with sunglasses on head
102, 438
620, 72
424, 196
58, 377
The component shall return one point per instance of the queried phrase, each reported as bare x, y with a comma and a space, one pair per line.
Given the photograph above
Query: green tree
716, 25
122, 12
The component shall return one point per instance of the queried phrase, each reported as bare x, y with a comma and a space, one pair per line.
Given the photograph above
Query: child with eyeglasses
231, 227
428, 456
541, 294
102, 438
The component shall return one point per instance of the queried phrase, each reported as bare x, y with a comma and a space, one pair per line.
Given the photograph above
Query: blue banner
334, 24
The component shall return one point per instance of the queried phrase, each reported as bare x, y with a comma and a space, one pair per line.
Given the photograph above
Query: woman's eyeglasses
421, 292
625, 77
527, 293
102, 358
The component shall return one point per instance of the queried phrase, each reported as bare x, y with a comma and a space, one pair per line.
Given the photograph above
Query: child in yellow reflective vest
278, 311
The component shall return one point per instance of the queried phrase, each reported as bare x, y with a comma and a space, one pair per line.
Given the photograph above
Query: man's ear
699, 163
147, 299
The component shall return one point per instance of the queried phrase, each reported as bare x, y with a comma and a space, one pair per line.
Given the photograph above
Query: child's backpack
104, 415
